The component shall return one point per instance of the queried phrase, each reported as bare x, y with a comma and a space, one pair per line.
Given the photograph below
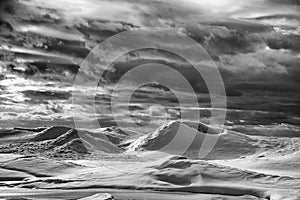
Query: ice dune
175, 174
13, 175
272, 163
35, 167
103, 196
208, 177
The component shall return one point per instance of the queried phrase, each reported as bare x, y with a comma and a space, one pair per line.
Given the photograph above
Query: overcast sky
255, 40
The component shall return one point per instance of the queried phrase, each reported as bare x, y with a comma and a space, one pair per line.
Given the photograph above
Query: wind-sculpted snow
240, 166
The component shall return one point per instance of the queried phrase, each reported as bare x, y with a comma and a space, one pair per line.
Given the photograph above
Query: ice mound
203, 128
59, 141
51, 133
75, 145
158, 139
115, 134
65, 138
97, 141
176, 137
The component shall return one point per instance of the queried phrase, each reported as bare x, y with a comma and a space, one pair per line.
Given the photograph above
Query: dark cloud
284, 2
266, 66
230, 44
279, 41
278, 16
255, 40
243, 25
7, 7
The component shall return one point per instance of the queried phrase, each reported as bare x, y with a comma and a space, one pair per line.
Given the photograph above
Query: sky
254, 43
257, 40
251, 41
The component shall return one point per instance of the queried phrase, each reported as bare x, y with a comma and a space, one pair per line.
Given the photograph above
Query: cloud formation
254, 40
